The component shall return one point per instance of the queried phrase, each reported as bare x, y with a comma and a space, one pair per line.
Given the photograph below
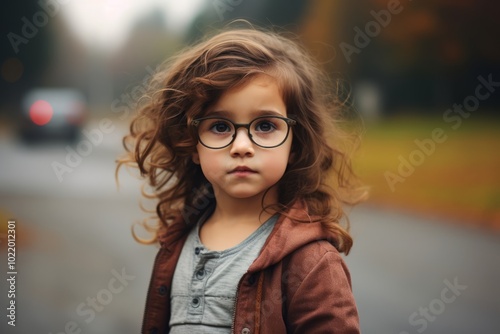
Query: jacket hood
292, 231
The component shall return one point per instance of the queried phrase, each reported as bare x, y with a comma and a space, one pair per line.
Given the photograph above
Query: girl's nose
242, 145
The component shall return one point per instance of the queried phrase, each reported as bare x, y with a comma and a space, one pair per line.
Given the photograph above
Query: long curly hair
161, 140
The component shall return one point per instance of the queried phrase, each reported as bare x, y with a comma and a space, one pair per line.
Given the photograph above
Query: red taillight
41, 112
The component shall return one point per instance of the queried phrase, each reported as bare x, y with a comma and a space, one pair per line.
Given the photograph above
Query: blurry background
423, 76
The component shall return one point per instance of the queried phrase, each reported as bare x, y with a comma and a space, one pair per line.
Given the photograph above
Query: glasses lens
264, 131
269, 131
215, 132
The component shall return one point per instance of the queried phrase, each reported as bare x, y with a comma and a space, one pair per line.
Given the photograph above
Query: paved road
79, 268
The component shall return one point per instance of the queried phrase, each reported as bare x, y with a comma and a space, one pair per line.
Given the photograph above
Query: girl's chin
247, 195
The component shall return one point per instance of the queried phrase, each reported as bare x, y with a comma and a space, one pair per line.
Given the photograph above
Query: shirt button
197, 250
200, 274
245, 331
195, 302
162, 290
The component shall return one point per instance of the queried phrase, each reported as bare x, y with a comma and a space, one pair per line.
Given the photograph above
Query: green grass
460, 179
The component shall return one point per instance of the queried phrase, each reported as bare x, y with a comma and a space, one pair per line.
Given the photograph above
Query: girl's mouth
242, 170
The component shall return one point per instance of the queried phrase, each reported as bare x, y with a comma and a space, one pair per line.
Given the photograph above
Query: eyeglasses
264, 131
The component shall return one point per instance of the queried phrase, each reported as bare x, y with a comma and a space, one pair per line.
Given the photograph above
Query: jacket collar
292, 231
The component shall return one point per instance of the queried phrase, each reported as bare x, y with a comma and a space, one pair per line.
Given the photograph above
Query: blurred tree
130, 63
429, 54
281, 14
24, 52
423, 56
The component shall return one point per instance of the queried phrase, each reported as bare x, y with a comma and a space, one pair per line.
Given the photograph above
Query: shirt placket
204, 266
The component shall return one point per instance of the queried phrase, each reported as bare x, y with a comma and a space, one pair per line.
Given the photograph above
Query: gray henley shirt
205, 282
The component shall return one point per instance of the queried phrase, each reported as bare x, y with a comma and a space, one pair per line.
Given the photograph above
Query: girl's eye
220, 126
265, 126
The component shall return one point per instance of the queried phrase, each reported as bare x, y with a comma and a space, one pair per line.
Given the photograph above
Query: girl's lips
242, 170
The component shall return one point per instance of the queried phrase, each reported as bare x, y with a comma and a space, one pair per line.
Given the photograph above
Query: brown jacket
298, 284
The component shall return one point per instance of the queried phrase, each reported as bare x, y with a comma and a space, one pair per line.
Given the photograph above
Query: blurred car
52, 113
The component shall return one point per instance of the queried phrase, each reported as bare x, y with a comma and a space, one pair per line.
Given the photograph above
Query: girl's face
244, 170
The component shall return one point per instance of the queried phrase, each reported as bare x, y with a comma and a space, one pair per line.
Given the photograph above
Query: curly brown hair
161, 140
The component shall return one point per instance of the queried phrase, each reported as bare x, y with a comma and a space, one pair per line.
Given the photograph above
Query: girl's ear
196, 158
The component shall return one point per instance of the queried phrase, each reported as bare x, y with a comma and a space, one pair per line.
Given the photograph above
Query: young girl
240, 140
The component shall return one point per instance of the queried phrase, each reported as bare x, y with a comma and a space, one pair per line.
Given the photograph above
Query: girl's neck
234, 219
243, 210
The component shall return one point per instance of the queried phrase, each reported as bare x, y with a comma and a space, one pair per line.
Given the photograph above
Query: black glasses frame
290, 122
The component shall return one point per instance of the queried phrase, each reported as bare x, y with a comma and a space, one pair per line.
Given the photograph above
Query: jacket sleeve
322, 302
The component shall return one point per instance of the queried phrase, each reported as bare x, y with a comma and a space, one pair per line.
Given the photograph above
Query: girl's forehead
256, 97
260, 80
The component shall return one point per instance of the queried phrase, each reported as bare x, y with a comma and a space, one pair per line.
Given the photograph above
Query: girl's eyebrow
256, 113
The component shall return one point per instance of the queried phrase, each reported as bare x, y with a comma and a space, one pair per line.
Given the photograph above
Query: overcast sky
106, 23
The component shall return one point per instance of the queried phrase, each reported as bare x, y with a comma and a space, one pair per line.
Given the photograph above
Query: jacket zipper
236, 303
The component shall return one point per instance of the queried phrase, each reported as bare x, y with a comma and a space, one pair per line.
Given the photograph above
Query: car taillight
41, 112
